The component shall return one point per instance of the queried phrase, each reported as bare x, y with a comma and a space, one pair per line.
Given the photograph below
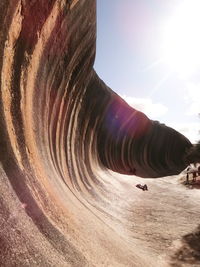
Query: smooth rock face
61, 132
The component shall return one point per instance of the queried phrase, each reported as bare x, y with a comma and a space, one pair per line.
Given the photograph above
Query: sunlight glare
181, 42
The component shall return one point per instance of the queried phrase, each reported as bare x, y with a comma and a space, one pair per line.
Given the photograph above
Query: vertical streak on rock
61, 130
7, 75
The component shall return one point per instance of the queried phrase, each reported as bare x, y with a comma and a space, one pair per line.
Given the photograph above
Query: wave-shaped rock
127, 141
62, 129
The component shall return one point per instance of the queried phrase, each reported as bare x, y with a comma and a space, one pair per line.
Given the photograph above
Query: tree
193, 154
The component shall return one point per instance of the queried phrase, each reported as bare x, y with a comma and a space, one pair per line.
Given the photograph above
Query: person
133, 171
199, 171
187, 176
194, 174
143, 187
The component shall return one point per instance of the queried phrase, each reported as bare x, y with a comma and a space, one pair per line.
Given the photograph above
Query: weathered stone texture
61, 130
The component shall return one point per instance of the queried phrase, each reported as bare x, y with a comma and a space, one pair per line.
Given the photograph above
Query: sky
148, 52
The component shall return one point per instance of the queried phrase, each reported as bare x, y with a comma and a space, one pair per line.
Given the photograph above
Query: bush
193, 154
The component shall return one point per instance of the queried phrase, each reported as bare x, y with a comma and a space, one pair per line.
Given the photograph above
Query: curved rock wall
127, 141
62, 130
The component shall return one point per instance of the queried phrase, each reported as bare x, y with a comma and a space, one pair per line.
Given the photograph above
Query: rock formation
62, 131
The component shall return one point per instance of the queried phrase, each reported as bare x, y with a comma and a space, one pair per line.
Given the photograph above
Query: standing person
194, 176
199, 171
187, 176
133, 171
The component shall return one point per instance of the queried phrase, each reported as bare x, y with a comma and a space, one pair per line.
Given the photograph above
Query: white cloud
190, 130
146, 105
193, 98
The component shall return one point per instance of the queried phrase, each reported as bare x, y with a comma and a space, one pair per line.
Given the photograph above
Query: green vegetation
193, 154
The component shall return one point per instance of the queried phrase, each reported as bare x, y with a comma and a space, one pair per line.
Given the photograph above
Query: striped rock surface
62, 133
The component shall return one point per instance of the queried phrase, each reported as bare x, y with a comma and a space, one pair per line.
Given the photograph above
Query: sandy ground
165, 219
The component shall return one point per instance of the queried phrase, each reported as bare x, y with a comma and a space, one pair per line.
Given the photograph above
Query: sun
181, 39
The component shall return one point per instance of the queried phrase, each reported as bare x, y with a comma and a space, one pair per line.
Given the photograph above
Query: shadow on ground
192, 184
189, 252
